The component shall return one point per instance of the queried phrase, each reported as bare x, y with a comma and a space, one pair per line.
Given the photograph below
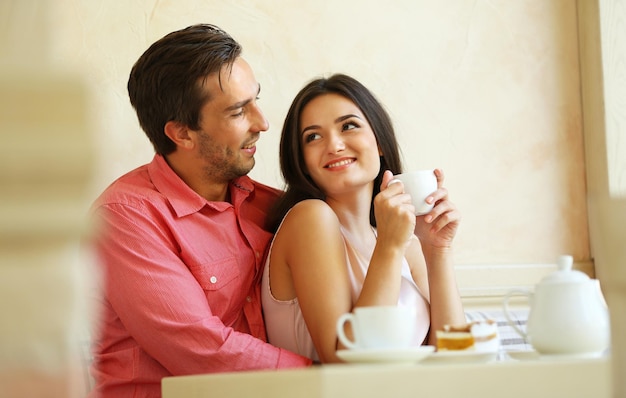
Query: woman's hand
395, 215
438, 227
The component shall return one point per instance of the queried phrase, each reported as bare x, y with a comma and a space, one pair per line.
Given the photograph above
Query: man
181, 240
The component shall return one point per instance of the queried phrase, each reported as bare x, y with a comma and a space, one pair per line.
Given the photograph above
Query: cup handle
505, 307
348, 317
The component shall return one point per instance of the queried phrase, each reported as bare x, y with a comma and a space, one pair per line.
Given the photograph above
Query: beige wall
487, 90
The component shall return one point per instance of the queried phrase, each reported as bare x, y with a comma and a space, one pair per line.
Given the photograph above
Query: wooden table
582, 378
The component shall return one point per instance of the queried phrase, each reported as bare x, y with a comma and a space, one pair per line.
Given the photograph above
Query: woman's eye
238, 114
311, 137
350, 126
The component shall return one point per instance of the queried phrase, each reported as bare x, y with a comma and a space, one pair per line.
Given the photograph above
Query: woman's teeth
341, 163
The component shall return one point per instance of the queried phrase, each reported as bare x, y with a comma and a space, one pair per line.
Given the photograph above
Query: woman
345, 237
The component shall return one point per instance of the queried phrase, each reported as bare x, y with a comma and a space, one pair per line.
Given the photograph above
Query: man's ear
179, 134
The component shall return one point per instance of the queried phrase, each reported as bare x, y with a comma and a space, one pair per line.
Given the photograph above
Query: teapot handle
507, 315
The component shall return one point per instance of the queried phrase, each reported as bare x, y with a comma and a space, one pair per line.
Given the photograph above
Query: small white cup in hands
419, 184
380, 327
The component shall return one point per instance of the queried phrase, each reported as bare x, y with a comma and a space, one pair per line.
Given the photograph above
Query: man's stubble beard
221, 164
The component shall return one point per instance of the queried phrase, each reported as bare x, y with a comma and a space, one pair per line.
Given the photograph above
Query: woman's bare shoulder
312, 211
310, 227
309, 219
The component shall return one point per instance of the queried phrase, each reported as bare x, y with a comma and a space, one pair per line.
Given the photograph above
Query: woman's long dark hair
300, 186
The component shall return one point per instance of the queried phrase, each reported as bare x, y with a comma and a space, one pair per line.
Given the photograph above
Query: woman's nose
336, 144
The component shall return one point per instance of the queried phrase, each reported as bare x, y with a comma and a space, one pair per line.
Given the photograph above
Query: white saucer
523, 355
403, 355
569, 357
532, 355
460, 357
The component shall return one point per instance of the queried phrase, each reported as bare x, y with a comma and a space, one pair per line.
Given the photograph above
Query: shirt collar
185, 200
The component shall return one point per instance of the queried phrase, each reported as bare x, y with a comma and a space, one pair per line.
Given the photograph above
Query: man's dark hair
166, 82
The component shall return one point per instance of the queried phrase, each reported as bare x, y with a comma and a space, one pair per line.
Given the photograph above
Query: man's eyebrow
243, 103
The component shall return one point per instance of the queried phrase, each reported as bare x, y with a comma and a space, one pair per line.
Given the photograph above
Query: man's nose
259, 121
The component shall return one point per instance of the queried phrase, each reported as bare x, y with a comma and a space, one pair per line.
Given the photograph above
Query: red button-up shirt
181, 291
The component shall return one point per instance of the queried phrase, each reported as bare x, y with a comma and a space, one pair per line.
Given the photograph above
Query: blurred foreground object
45, 166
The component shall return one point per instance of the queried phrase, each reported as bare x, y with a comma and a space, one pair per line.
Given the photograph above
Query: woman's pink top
284, 321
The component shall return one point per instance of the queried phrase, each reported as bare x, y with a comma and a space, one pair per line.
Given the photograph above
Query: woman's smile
335, 164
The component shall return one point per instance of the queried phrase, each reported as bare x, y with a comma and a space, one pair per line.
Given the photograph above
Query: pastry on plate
473, 336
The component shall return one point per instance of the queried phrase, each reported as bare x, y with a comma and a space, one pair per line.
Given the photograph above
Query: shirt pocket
221, 282
216, 275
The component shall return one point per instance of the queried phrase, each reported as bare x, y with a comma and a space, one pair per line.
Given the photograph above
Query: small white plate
460, 357
403, 355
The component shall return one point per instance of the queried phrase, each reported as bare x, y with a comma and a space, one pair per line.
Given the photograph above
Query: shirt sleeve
163, 307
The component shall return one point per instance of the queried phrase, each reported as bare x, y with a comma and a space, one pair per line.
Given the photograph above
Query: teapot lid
565, 273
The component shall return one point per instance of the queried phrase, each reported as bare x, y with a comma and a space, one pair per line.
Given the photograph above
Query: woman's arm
395, 221
436, 231
445, 302
309, 251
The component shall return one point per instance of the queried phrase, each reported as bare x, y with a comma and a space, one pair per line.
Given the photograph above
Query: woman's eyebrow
312, 127
348, 116
338, 120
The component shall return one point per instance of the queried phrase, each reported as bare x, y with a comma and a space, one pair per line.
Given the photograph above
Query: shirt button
248, 299
257, 254
213, 279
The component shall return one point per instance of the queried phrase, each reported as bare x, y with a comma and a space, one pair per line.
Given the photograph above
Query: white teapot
568, 314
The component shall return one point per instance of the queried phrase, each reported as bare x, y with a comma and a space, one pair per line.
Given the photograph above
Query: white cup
419, 184
381, 327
